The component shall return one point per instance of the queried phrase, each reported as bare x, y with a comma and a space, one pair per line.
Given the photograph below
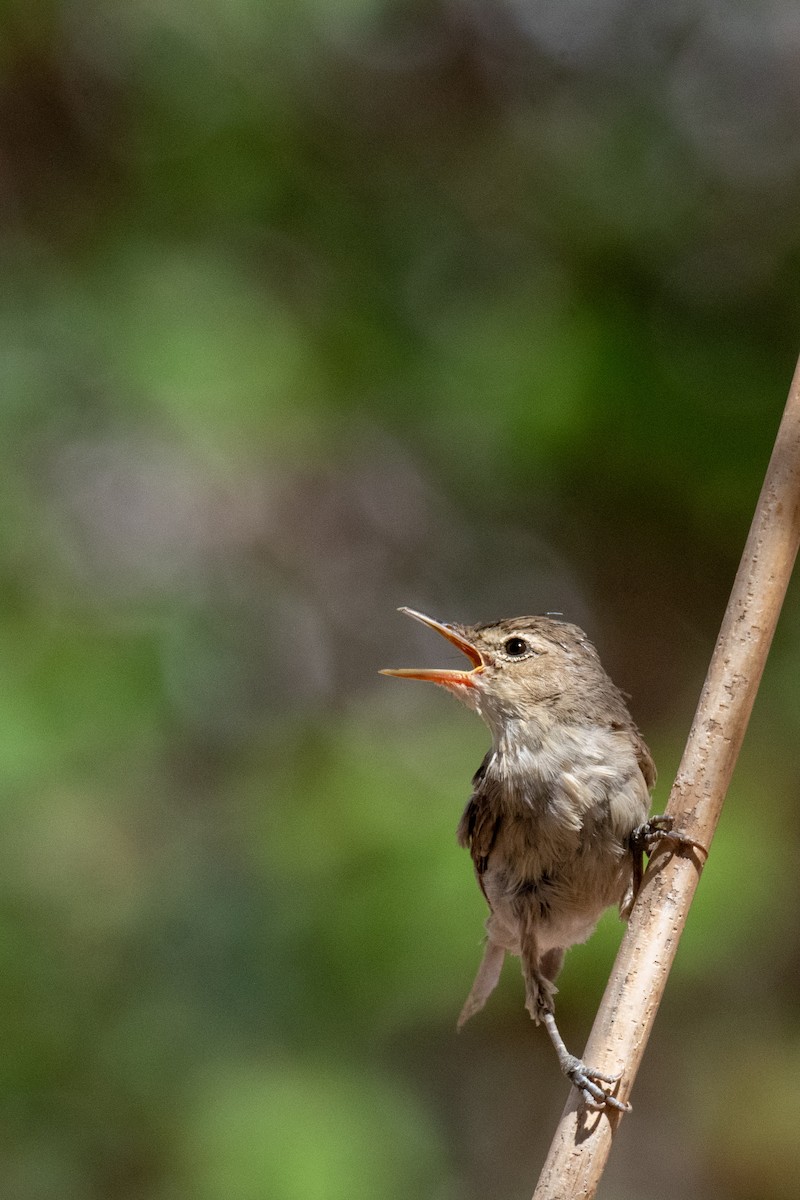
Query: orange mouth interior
448, 678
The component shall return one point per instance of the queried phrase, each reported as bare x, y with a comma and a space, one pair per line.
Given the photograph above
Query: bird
557, 822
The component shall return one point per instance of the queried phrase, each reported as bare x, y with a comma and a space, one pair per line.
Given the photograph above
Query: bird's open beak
447, 678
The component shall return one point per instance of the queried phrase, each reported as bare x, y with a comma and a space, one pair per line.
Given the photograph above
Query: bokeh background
309, 310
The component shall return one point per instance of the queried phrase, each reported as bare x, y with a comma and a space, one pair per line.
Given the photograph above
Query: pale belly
562, 899
563, 811
557, 933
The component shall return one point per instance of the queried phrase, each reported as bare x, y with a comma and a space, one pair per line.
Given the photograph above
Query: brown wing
643, 755
648, 769
479, 826
644, 759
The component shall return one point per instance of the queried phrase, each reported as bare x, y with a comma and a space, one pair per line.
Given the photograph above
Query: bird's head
521, 667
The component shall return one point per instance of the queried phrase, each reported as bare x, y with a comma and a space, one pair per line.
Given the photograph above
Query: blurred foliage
310, 310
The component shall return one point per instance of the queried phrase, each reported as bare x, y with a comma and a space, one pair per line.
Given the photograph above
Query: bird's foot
590, 1083
661, 830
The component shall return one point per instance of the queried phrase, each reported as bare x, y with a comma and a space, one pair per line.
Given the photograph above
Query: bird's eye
515, 647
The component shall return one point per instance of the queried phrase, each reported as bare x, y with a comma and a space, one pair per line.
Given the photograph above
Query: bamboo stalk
583, 1139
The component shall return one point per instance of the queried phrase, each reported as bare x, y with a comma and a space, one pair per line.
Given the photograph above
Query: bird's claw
589, 1083
661, 830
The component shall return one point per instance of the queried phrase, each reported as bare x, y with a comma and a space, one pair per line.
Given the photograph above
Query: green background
308, 311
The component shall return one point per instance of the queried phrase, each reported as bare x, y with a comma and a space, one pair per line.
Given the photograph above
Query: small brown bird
557, 820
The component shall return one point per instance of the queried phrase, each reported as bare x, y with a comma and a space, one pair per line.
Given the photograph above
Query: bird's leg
655, 832
588, 1080
540, 987
485, 980
596, 1087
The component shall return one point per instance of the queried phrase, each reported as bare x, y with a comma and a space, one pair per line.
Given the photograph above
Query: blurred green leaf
296, 1132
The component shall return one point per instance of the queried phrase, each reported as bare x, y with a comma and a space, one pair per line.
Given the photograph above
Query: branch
583, 1140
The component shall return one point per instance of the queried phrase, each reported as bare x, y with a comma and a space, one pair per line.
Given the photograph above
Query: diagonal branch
583, 1140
